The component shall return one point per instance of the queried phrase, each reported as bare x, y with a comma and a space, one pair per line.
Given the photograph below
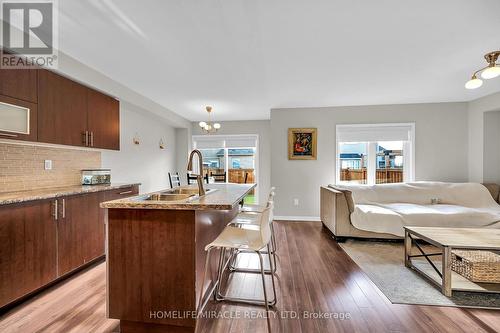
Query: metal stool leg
220, 272
207, 262
265, 292
273, 269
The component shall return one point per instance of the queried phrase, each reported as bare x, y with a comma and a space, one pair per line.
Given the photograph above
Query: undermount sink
168, 197
176, 194
190, 191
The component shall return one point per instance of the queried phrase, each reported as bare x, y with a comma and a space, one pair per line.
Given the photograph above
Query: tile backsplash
22, 166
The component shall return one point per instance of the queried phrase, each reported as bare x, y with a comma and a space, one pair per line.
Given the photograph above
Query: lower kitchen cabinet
79, 231
43, 240
28, 248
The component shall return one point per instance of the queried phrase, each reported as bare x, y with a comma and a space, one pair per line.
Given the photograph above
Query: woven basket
477, 266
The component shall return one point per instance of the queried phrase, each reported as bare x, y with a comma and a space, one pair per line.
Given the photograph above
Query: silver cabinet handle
85, 138
9, 135
125, 192
92, 139
55, 214
63, 208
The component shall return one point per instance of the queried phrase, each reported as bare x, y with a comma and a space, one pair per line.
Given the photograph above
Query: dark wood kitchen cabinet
72, 114
32, 127
103, 120
62, 110
80, 234
44, 240
28, 252
19, 83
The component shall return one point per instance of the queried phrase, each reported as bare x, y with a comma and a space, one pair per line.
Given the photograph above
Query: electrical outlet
47, 164
295, 202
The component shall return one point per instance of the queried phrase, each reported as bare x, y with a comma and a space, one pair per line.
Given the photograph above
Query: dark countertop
49, 193
224, 197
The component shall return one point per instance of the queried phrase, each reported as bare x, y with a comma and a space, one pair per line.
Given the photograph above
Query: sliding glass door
229, 159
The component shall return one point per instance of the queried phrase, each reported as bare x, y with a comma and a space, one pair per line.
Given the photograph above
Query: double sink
176, 194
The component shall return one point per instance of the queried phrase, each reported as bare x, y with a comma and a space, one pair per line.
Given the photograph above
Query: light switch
48, 164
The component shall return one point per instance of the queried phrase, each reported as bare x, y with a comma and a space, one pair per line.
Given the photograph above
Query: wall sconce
136, 139
162, 145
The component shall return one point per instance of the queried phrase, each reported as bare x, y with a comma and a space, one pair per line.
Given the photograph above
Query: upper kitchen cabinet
18, 109
19, 84
62, 110
18, 119
72, 114
103, 119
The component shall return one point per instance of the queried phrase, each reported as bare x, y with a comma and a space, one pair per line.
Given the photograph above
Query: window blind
229, 141
371, 133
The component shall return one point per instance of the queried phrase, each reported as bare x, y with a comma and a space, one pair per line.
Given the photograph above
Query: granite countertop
49, 193
223, 197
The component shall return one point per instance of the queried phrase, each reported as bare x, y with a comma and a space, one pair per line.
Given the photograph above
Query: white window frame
408, 152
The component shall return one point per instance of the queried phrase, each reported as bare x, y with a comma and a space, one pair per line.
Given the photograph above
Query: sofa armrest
334, 211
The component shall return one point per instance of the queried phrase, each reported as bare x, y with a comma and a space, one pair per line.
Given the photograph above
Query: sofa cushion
494, 190
347, 194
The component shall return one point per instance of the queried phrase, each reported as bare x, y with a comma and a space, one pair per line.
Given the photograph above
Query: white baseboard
298, 218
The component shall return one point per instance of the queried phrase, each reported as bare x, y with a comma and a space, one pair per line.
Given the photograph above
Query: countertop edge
127, 204
61, 192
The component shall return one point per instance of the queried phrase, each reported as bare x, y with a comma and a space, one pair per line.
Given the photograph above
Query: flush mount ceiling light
489, 72
209, 127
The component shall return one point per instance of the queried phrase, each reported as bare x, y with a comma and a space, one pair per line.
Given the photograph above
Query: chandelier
209, 127
489, 72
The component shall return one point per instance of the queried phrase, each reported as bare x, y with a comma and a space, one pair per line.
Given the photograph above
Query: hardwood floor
314, 275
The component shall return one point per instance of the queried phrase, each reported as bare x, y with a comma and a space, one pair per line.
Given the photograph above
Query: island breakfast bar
156, 257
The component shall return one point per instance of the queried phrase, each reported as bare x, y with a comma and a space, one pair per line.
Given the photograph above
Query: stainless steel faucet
199, 177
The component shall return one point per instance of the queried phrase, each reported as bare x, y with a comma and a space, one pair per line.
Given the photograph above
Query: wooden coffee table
446, 239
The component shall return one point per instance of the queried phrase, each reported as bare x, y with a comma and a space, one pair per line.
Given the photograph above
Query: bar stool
251, 239
246, 208
248, 212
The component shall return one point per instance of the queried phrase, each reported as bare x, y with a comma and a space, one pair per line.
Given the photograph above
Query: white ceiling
245, 57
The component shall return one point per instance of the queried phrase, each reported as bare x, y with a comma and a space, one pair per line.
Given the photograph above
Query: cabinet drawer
121, 193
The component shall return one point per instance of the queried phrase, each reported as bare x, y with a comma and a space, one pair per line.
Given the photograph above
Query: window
234, 155
375, 153
353, 158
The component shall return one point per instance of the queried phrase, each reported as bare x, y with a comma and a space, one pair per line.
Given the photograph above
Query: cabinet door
18, 119
19, 84
80, 231
103, 120
27, 248
95, 227
62, 110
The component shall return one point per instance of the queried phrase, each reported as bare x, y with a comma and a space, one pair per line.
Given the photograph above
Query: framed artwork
302, 143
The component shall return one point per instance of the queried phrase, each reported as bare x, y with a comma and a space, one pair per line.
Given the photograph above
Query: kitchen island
156, 257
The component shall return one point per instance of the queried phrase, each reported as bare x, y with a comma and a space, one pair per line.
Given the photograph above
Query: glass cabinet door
14, 119
18, 119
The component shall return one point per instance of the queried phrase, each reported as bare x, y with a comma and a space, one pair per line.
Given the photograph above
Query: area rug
384, 264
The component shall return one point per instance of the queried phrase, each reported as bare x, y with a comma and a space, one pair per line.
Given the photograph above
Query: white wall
491, 166
440, 147
262, 129
145, 163
183, 139
476, 110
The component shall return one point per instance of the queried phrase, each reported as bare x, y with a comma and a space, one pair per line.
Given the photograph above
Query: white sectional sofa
381, 211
